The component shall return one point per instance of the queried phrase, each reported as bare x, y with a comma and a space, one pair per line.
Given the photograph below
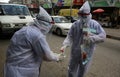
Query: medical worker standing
28, 47
84, 34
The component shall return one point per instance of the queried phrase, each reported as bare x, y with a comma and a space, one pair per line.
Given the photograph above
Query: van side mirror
1, 11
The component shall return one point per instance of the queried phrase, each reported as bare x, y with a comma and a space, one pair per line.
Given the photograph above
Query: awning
47, 5
117, 4
100, 4
67, 2
95, 3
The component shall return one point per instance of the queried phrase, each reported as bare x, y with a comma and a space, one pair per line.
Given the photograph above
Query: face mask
43, 26
46, 26
85, 18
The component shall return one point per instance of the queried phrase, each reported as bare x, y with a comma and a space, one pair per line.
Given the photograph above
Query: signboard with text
78, 2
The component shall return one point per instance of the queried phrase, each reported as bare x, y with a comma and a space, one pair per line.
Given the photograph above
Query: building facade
29, 3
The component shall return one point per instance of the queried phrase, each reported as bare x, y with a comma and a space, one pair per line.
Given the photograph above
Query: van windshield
14, 10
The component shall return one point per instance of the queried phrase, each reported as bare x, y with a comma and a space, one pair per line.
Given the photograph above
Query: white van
13, 17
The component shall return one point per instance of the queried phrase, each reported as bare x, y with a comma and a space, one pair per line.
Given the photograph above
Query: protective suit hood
84, 12
43, 21
85, 8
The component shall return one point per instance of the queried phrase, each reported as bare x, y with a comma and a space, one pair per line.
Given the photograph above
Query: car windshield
15, 10
60, 20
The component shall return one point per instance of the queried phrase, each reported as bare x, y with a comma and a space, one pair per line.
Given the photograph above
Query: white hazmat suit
28, 47
75, 38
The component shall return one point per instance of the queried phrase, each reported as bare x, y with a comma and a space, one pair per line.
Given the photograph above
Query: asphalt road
105, 62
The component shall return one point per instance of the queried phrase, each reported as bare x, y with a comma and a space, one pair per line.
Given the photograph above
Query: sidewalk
112, 33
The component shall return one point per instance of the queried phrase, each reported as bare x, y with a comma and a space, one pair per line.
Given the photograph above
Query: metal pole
38, 3
22, 2
52, 7
71, 9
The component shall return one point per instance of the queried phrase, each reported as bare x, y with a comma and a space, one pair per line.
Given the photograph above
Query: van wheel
0, 29
0, 32
59, 31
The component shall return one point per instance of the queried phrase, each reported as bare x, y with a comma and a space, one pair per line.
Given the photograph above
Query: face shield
83, 15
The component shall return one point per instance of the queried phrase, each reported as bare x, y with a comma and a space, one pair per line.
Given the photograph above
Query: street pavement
113, 33
105, 62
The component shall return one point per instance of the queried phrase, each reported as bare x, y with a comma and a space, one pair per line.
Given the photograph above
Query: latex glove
88, 39
61, 57
91, 34
62, 49
57, 56
54, 57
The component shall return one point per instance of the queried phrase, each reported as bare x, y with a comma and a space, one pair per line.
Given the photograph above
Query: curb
113, 37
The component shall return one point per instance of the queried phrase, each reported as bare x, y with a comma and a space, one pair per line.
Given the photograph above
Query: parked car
61, 25
104, 20
71, 18
105, 23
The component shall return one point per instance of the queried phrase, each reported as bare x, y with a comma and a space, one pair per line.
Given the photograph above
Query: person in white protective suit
84, 34
28, 48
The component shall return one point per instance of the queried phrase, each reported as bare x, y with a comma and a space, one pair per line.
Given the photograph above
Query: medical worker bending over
28, 47
84, 34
